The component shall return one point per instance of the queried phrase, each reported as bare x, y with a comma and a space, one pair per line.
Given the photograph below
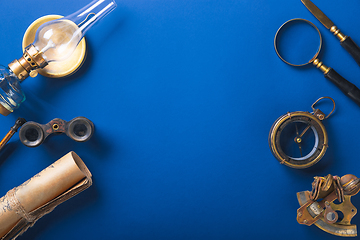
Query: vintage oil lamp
55, 42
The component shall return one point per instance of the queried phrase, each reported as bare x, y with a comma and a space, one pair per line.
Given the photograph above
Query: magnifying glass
286, 53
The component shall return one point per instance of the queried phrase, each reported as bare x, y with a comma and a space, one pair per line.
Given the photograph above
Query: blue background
183, 94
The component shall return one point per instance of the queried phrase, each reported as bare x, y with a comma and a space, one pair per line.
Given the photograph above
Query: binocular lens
80, 129
31, 135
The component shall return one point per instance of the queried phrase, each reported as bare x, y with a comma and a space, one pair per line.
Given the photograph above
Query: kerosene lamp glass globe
54, 41
11, 94
57, 40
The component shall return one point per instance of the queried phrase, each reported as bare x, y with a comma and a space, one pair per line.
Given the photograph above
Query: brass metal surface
281, 156
18, 69
351, 184
323, 19
34, 57
313, 122
330, 215
56, 69
347, 208
6, 138
31, 60
19, 122
4, 111
282, 27
304, 217
338, 34
318, 206
318, 13
335, 229
318, 64
321, 113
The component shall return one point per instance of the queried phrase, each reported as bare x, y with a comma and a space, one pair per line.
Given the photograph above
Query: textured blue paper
182, 94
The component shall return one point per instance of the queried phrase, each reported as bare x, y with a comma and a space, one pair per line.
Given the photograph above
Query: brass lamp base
56, 69
4, 111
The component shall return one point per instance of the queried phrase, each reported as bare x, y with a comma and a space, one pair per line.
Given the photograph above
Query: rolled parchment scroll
22, 206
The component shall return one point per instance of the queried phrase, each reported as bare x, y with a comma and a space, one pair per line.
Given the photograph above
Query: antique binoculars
32, 134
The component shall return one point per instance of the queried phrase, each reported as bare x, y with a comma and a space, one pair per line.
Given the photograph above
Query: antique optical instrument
55, 41
79, 129
299, 139
291, 44
328, 205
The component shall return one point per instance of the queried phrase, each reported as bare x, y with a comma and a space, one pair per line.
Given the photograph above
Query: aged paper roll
45, 186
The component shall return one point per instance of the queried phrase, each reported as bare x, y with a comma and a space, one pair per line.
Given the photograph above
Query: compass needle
305, 130
300, 150
297, 130
298, 139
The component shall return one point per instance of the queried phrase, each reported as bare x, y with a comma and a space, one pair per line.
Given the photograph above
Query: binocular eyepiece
33, 134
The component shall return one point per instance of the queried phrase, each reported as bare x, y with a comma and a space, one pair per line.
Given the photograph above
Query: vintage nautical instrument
328, 205
299, 139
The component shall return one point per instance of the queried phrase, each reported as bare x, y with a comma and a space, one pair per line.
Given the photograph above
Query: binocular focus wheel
31, 134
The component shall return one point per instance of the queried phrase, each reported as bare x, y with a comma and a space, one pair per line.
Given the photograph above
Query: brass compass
299, 139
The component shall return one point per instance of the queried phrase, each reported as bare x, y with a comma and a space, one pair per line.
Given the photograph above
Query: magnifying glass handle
345, 86
352, 48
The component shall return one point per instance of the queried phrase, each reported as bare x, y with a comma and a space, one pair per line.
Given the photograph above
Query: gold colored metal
338, 34
313, 122
315, 110
320, 115
276, 42
6, 138
19, 122
351, 184
304, 217
347, 208
324, 19
32, 59
33, 73
321, 66
318, 13
281, 156
330, 215
55, 69
303, 132
320, 209
4, 111
18, 69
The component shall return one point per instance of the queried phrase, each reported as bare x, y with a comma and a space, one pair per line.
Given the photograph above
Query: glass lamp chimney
54, 41
57, 40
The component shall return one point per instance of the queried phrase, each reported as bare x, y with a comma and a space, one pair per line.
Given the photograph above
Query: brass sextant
328, 205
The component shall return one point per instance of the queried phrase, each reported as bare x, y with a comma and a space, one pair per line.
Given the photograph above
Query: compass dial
298, 139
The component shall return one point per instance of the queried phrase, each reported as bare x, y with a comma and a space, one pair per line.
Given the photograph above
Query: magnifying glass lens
298, 42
